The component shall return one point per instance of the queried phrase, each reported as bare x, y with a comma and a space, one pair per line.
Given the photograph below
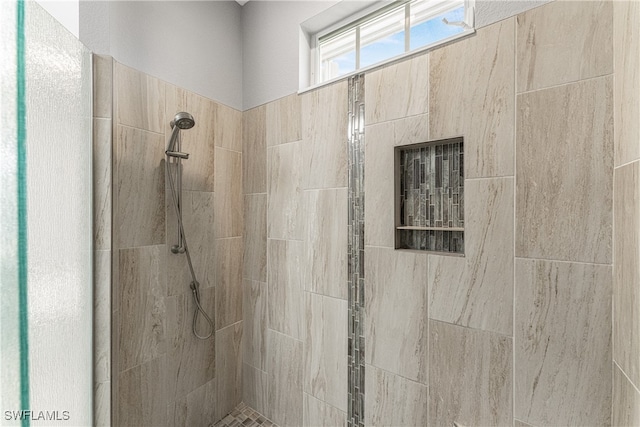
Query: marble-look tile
470, 377
564, 178
198, 223
228, 368
326, 242
577, 35
391, 400
317, 413
196, 409
562, 343
228, 281
283, 120
284, 187
143, 320
396, 300
626, 292
254, 389
190, 361
284, 369
228, 128
411, 130
285, 287
102, 209
140, 218
102, 316
398, 90
102, 86
626, 57
518, 423
626, 400
115, 364
142, 395
102, 404
325, 349
140, 99
255, 237
471, 93
228, 194
325, 118
477, 291
254, 146
254, 308
199, 141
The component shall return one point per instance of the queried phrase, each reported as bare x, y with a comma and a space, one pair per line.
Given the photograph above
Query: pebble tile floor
245, 416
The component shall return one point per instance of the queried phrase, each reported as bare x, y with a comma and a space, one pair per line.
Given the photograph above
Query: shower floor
245, 416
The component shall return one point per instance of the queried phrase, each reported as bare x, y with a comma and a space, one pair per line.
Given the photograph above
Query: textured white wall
66, 12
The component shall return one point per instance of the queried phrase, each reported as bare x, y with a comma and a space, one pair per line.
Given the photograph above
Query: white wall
65, 12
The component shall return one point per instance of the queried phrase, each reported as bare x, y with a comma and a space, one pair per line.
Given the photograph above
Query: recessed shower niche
429, 196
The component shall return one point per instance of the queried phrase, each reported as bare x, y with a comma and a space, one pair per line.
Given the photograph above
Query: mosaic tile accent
431, 196
244, 416
355, 410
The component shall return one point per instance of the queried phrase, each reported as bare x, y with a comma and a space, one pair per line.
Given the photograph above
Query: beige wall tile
140, 99
102, 404
102, 86
140, 216
517, 423
254, 390
562, 343
284, 368
255, 237
143, 322
102, 317
411, 130
255, 320
142, 398
391, 400
398, 90
227, 127
626, 400
228, 281
285, 287
563, 42
396, 300
470, 374
477, 291
324, 131
317, 413
471, 93
626, 285
325, 349
564, 177
284, 187
197, 409
229, 201
102, 208
326, 242
254, 146
283, 120
229, 368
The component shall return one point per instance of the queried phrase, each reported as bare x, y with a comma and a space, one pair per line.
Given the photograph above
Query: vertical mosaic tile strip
431, 196
355, 414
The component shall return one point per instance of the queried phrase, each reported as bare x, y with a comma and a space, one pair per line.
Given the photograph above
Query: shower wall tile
143, 286
471, 91
255, 237
227, 126
477, 291
324, 133
140, 215
396, 304
254, 389
284, 368
626, 54
228, 368
394, 400
228, 281
140, 99
190, 361
411, 130
517, 423
326, 242
195, 409
229, 200
283, 120
142, 395
102, 317
398, 90
317, 413
470, 377
254, 307
325, 349
626, 400
562, 343
565, 167
284, 187
102, 207
102, 404
254, 136
102, 86
626, 288
285, 287
198, 170
577, 35
197, 219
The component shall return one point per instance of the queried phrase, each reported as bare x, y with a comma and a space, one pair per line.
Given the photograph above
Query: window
388, 33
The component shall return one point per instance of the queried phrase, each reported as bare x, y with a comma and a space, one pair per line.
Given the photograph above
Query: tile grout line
515, 230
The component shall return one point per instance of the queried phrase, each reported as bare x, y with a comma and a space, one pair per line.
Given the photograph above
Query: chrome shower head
183, 120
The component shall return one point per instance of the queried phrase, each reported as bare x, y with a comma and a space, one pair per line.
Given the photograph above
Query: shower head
182, 120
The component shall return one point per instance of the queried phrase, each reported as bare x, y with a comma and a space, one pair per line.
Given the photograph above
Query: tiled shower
532, 326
